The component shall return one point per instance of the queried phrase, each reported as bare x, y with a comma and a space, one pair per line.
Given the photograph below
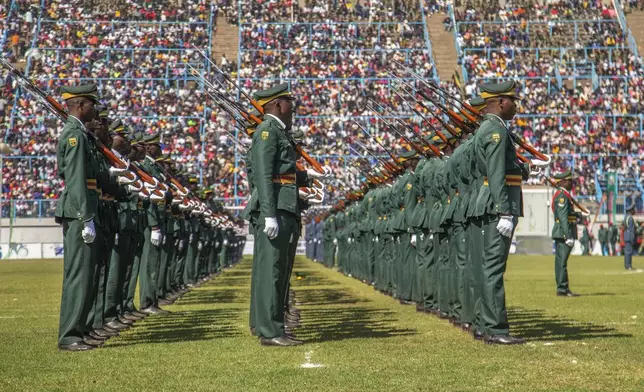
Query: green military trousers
148, 271
104, 244
271, 281
78, 279
122, 256
379, 271
475, 243
132, 272
496, 248
190, 269
389, 243
442, 245
253, 283
562, 252
370, 257
165, 261
459, 260
427, 270
406, 260
467, 314
180, 264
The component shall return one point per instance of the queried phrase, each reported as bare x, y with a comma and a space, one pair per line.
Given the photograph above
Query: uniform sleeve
562, 207
496, 146
263, 156
76, 158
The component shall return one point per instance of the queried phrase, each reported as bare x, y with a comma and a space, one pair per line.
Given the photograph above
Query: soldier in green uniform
564, 231
502, 196
404, 199
76, 211
124, 250
276, 211
153, 234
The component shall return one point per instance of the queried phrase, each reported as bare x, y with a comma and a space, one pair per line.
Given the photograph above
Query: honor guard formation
426, 206
127, 216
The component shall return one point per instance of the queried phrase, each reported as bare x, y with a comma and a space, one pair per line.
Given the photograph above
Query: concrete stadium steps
635, 21
444, 50
225, 41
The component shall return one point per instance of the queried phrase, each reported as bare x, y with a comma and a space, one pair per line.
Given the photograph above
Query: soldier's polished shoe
131, 317
456, 323
442, 315
125, 321
567, 294
95, 336
139, 314
93, 342
420, 308
503, 339
478, 335
77, 346
467, 327
102, 332
153, 310
280, 341
405, 302
116, 325
165, 302
252, 332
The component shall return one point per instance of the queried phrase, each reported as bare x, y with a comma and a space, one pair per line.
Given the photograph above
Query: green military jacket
156, 211
78, 168
426, 182
565, 226
272, 157
420, 211
439, 196
497, 161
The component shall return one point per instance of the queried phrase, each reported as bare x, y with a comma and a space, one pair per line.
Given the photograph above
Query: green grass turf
364, 340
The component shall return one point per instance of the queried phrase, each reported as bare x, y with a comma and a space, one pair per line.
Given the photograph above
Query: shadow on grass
215, 295
598, 294
185, 326
327, 297
357, 322
536, 325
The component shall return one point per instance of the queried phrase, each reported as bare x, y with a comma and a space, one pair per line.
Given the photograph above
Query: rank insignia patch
265, 135
73, 141
496, 137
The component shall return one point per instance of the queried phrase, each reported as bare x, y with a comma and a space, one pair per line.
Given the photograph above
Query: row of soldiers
439, 235
123, 224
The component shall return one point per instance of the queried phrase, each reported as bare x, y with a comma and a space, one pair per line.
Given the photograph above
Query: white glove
335, 241
570, 242
431, 237
184, 207
192, 238
89, 231
505, 225
156, 237
133, 188
314, 174
376, 239
165, 237
156, 198
116, 239
226, 242
182, 243
271, 228
199, 246
115, 171
413, 240
540, 163
317, 198
304, 195
121, 180
143, 196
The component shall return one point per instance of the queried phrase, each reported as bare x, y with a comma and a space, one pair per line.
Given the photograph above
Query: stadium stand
582, 76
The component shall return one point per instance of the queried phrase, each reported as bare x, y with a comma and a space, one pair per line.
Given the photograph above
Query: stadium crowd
336, 69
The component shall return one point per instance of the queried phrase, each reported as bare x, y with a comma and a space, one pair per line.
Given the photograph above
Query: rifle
395, 159
59, 111
583, 210
249, 116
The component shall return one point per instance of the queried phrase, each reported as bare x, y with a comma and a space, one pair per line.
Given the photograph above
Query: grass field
364, 341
